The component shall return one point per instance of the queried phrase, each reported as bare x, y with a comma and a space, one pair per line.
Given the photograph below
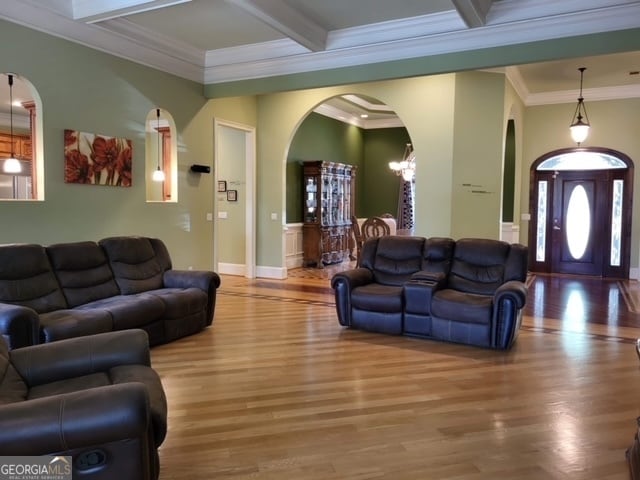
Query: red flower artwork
97, 159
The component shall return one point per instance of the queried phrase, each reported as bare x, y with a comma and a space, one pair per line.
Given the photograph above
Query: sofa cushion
26, 278
437, 255
134, 264
179, 302
378, 298
128, 311
478, 265
462, 307
395, 260
73, 323
83, 272
69, 385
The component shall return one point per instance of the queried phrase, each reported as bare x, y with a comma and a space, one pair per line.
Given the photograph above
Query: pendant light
11, 164
158, 174
580, 129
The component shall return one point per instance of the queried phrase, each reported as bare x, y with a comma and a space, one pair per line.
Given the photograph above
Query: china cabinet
328, 207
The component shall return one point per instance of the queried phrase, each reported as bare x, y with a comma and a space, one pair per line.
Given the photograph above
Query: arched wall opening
355, 130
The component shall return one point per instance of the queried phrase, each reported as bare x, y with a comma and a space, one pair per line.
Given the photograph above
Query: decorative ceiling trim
589, 94
286, 20
473, 12
580, 23
366, 124
91, 11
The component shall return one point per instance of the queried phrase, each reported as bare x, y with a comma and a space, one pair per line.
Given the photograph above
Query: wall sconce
580, 129
11, 164
158, 174
406, 167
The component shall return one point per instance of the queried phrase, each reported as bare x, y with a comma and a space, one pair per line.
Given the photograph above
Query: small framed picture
232, 195
222, 185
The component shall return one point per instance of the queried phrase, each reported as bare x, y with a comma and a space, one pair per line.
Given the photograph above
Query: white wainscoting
293, 245
510, 232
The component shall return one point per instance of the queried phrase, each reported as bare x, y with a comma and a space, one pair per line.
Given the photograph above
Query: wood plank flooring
276, 389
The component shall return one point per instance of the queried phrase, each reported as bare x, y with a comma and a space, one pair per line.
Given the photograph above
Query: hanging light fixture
579, 128
406, 167
11, 164
158, 174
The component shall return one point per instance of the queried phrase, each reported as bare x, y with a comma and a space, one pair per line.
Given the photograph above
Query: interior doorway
581, 211
234, 204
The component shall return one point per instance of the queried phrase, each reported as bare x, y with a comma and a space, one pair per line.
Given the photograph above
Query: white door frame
250, 177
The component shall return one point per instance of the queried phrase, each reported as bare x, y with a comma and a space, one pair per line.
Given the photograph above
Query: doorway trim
250, 178
548, 177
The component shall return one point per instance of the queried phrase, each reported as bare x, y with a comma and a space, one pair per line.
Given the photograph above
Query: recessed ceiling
218, 41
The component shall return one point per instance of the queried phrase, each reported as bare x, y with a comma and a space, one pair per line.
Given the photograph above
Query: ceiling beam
93, 11
286, 20
473, 12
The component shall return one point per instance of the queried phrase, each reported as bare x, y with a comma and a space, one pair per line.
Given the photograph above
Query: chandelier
580, 129
407, 166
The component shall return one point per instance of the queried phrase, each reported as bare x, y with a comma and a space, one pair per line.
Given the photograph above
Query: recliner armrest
202, 279
352, 278
19, 325
79, 356
63, 422
513, 289
343, 284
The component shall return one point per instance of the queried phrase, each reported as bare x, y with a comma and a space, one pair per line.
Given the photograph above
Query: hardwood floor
276, 389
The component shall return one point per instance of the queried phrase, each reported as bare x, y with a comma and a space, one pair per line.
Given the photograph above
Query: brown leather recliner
94, 398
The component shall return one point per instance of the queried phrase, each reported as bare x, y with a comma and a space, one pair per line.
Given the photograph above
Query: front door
579, 215
581, 212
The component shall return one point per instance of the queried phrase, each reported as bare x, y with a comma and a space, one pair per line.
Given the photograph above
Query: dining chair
374, 227
358, 240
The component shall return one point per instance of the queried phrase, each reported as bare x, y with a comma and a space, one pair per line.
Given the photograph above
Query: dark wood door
580, 222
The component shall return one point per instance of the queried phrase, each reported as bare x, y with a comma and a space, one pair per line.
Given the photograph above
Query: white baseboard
232, 269
294, 261
278, 273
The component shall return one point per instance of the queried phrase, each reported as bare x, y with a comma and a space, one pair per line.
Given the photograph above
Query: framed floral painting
94, 159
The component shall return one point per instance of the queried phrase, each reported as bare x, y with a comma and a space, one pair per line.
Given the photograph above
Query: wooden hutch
329, 194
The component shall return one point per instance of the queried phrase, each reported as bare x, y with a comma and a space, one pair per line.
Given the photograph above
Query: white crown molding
372, 107
366, 124
580, 23
34, 16
509, 22
589, 94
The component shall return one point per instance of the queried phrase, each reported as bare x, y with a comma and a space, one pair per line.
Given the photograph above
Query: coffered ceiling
218, 41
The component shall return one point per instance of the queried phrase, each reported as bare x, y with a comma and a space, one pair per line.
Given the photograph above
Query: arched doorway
581, 211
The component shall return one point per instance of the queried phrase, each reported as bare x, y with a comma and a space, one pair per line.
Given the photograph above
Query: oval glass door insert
578, 227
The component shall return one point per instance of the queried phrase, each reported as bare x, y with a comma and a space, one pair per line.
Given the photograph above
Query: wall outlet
209, 217
222, 214
274, 216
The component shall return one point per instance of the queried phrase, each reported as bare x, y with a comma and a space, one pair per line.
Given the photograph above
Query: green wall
87, 90
379, 185
456, 123
509, 173
320, 138
614, 124
324, 138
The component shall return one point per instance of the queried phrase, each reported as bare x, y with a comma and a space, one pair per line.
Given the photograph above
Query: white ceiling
217, 41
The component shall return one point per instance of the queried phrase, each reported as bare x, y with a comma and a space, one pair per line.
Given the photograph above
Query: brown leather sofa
467, 291
75, 289
94, 398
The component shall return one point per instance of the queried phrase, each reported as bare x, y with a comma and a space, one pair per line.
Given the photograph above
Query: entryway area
581, 211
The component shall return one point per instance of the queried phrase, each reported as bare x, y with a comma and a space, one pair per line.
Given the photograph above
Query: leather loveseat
467, 291
75, 289
95, 399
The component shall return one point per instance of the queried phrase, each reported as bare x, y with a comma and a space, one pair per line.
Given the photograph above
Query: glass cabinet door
311, 199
